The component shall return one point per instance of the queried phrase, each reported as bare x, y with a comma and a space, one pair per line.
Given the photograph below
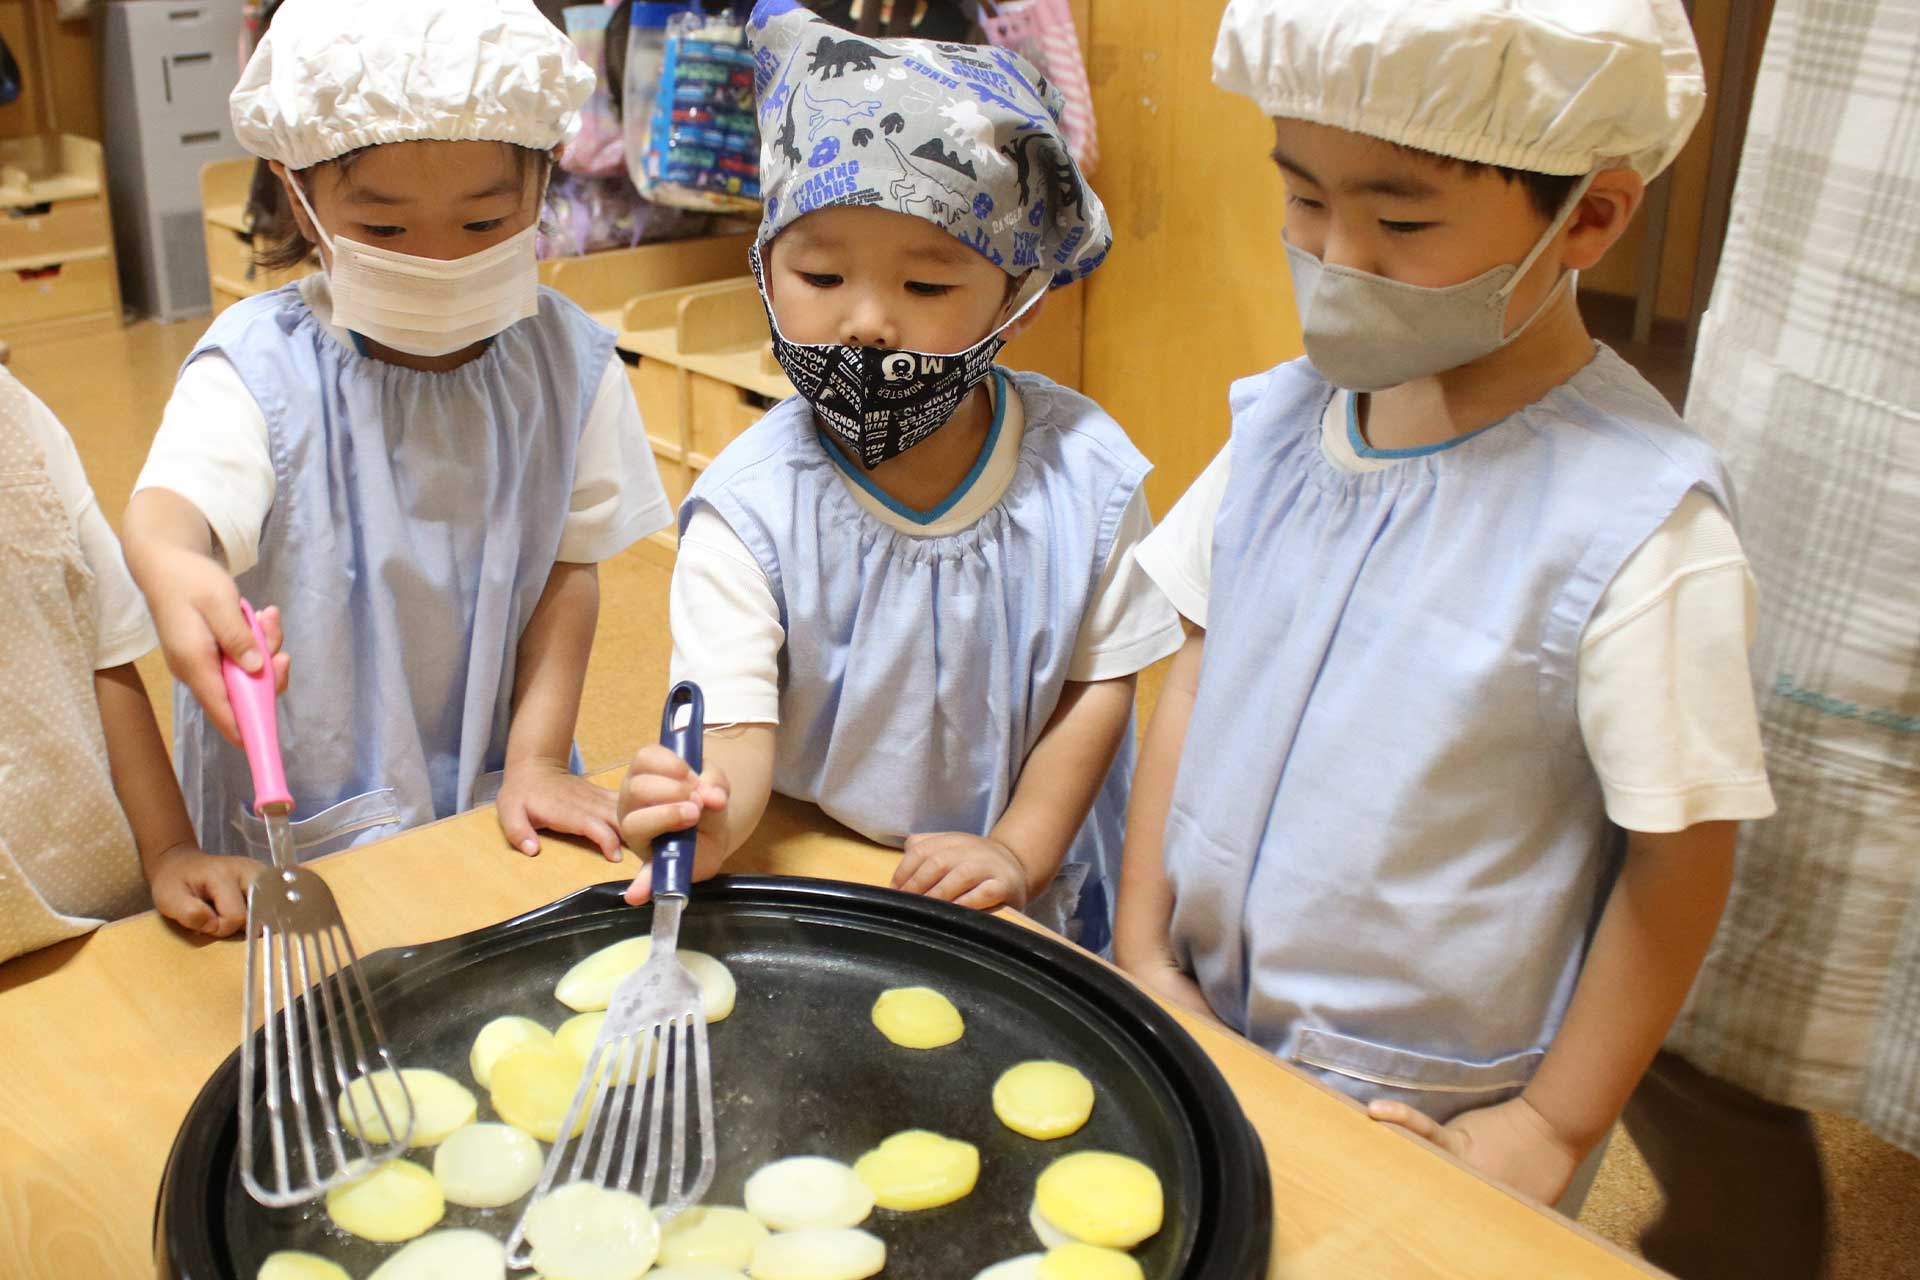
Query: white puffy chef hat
331, 76
1551, 86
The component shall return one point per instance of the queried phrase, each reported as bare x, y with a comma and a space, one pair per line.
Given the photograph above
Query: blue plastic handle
683, 726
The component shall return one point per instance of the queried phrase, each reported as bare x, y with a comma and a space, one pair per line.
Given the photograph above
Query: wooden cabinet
57, 270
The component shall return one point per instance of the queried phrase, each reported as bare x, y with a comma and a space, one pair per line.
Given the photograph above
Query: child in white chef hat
91, 822
419, 456
1439, 805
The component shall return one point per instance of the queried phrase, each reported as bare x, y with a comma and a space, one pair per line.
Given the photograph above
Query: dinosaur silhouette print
834, 58
932, 150
1050, 167
828, 116
906, 194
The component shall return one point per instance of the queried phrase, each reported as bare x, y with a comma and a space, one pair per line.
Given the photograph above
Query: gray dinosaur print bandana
966, 136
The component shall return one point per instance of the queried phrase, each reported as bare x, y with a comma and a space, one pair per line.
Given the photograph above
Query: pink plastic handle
252, 698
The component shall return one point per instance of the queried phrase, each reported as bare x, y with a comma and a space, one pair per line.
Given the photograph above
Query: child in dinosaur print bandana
909, 591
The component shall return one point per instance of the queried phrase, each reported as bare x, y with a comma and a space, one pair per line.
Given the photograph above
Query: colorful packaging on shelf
703, 144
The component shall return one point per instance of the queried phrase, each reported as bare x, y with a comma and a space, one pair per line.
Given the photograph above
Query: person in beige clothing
92, 826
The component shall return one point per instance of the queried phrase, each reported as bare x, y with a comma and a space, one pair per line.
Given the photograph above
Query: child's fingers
988, 895
228, 897
954, 884
186, 910
517, 827
270, 626
661, 762
1399, 1113
643, 789
209, 689
926, 873
231, 632
642, 887
639, 826
282, 664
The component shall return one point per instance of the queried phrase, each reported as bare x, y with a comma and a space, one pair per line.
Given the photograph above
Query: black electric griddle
799, 1069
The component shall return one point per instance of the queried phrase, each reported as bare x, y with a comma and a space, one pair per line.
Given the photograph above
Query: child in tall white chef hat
418, 457
1439, 805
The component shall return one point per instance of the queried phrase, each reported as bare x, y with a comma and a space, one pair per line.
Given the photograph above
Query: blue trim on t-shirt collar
1364, 450
946, 504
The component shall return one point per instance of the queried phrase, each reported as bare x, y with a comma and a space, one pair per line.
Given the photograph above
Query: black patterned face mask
880, 401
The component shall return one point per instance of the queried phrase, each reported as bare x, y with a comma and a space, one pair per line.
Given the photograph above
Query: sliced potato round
441, 1104
533, 1087
1043, 1100
577, 1035
1088, 1262
584, 1232
803, 1192
291, 1264
917, 1018
447, 1255
496, 1039
832, 1253
1100, 1198
919, 1169
485, 1166
715, 1236
588, 986
1024, 1267
395, 1202
695, 1271
1050, 1236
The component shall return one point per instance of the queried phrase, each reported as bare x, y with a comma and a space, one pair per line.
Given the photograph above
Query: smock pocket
370, 815
1441, 1087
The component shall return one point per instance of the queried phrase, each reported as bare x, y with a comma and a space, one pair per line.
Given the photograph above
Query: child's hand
204, 892
197, 619
660, 795
1510, 1142
544, 794
973, 871
1171, 983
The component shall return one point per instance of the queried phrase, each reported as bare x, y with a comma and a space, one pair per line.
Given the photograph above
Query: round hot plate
799, 1069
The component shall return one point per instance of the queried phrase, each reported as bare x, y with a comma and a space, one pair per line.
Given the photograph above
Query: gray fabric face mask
1366, 333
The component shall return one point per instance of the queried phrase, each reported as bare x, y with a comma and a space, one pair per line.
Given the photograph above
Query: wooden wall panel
61, 92
1196, 293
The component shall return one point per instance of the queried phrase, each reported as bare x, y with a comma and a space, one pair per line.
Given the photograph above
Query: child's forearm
1062, 775
744, 754
142, 775
1652, 937
159, 521
1145, 908
551, 666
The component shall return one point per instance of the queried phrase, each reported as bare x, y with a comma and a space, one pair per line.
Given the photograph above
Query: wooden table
105, 1041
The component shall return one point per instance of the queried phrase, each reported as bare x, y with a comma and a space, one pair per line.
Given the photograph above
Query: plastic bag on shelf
599, 148
1042, 32
701, 142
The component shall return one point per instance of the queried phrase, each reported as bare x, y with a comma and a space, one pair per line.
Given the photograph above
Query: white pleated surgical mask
1365, 332
429, 306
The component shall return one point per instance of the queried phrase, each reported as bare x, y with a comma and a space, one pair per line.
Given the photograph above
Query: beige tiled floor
109, 391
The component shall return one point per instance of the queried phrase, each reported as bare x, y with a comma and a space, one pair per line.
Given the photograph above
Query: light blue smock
1387, 842
919, 673
416, 518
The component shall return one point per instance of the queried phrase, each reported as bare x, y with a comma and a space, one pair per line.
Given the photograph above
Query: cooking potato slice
1088, 1262
1043, 1100
577, 1034
808, 1191
291, 1264
533, 1087
694, 1271
485, 1166
395, 1202
714, 1236
917, 1018
588, 986
835, 1253
447, 1255
1024, 1267
1100, 1198
441, 1104
584, 1232
919, 1169
499, 1037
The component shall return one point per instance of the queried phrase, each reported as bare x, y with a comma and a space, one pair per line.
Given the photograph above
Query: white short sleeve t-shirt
212, 450
1663, 686
123, 631
726, 622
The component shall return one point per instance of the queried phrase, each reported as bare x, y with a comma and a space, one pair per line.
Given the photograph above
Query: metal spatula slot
319, 1029
656, 1019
